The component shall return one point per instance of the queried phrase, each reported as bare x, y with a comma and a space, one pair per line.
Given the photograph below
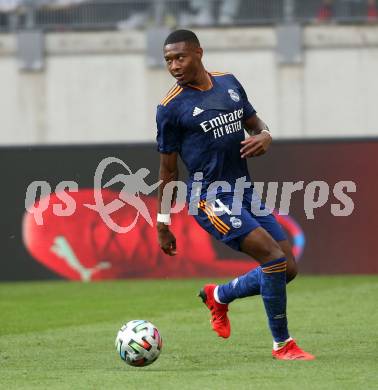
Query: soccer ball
139, 343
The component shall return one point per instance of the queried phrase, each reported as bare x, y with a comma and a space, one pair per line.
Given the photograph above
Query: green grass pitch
60, 335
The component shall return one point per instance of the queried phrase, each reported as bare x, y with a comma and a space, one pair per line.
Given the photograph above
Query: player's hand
255, 145
167, 241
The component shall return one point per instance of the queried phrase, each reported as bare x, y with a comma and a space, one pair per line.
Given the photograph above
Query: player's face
183, 61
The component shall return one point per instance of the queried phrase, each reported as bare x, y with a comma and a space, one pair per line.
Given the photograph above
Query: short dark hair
182, 36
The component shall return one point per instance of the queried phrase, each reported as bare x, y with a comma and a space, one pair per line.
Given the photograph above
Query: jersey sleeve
248, 109
168, 133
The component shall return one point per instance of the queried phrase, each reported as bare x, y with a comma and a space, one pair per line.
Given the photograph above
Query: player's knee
291, 272
291, 267
261, 247
272, 252
277, 253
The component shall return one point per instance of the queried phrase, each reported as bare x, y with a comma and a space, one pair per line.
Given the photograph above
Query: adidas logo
197, 111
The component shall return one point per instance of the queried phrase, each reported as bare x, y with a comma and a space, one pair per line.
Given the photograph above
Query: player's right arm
168, 145
168, 172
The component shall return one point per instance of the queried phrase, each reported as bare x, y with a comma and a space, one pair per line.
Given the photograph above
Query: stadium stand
129, 14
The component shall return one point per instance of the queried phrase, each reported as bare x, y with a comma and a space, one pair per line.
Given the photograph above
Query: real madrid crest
234, 96
235, 222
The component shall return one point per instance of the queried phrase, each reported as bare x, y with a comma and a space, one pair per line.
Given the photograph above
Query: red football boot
219, 320
291, 351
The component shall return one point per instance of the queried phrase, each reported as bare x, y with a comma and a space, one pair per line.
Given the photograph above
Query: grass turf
60, 335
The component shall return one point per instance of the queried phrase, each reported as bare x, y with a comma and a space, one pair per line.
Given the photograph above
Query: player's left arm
259, 140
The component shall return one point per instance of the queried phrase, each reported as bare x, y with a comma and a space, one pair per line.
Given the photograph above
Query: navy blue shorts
231, 226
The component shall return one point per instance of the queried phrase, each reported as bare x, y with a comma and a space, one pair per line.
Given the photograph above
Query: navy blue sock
241, 287
269, 280
273, 292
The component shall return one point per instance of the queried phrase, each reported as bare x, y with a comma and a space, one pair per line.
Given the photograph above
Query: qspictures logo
133, 185
316, 194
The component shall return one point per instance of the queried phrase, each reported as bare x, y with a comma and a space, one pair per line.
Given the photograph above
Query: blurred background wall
74, 72
80, 81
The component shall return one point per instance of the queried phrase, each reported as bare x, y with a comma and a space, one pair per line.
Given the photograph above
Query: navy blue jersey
206, 128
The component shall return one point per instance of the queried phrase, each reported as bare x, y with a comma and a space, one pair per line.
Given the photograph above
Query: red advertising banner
60, 234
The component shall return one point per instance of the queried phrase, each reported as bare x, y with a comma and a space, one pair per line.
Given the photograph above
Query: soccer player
202, 119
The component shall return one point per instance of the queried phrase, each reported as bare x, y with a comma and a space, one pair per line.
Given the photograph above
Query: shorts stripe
217, 218
214, 219
220, 221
